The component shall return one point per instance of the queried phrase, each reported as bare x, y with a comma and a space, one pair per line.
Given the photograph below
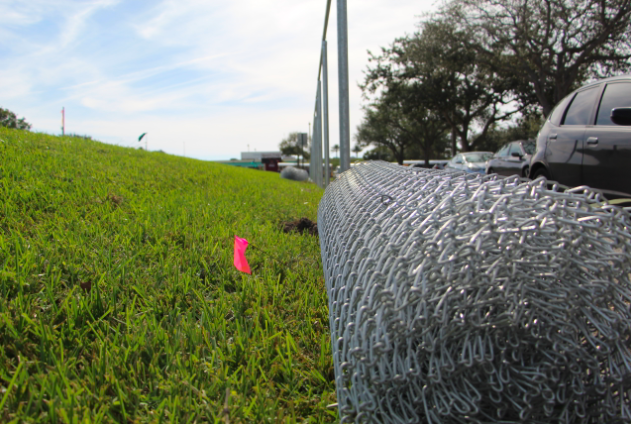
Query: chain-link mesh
459, 298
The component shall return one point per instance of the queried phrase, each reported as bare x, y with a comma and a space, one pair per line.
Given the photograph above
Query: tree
336, 148
399, 119
470, 96
379, 153
10, 120
525, 128
357, 150
446, 82
383, 125
289, 146
546, 47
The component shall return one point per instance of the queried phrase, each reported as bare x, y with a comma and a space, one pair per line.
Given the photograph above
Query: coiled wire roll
467, 298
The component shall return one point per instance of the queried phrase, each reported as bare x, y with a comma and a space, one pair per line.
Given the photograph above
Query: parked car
512, 159
470, 161
586, 140
433, 164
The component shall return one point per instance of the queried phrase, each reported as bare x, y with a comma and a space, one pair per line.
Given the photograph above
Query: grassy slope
169, 325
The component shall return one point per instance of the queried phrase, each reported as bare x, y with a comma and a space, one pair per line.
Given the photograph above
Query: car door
499, 160
607, 152
564, 152
514, 163
457, 162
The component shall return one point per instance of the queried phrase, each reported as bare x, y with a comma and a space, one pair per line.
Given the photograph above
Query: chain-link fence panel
467, 298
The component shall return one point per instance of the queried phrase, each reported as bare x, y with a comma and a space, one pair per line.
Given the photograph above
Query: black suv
586, 140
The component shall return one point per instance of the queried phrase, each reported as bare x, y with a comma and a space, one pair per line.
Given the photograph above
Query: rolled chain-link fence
460, 298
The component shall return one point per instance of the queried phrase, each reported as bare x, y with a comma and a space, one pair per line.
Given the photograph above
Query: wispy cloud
217, 76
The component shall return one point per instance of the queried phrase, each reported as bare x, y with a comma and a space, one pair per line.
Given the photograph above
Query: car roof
610, 79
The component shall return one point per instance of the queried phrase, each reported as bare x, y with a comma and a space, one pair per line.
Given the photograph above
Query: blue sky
202, 78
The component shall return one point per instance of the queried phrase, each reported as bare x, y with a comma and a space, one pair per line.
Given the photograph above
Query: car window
503, 151
529, 147
581, 107
476, 157
514, 148
616, 95
557, 113
458, 159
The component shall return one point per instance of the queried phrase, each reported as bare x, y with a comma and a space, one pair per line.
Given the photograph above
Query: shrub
10, 120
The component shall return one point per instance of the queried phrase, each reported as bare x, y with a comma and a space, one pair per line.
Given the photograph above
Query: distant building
270, 160
243, 163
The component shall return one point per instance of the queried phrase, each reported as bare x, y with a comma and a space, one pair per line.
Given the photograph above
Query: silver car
470, 161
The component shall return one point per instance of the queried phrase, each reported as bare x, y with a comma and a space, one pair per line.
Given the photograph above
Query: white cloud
220, 75
77, 20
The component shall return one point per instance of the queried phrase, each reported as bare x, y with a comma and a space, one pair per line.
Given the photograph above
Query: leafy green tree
443, 84
10, 120
469, 95
525, 128
384, 124
400, 121
289, 146
547, 48
379, 153
336, 149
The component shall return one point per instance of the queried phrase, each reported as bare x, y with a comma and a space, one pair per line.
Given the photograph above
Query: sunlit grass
119, 301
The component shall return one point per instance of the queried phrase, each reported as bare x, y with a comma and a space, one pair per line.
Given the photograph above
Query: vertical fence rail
342, 57
321, 116
318, 144
313, 142
315, 169
325, 113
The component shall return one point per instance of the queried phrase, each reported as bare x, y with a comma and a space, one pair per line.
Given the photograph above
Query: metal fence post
325, 113
318, 139
342, 57
312, 157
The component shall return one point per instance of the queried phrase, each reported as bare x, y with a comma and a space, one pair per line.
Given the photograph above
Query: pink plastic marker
240, 244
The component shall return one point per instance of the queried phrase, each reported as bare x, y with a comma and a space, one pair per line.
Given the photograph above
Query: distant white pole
63, 121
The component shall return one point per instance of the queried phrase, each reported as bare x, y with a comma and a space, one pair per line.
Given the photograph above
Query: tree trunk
398, 155
427, 155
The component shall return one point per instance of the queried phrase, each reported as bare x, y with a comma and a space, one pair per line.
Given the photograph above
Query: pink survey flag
240, 244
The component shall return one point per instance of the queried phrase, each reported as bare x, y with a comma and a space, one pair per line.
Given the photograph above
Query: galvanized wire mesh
459, 298
296, 174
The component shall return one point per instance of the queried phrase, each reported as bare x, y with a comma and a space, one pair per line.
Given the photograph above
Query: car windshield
476, 157
529, 147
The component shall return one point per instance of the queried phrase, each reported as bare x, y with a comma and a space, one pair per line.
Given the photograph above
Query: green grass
119, 301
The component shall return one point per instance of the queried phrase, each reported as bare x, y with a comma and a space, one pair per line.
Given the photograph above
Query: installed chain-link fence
460, 298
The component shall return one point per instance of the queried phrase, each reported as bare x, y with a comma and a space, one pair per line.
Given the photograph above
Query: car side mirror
516, 155
621, 115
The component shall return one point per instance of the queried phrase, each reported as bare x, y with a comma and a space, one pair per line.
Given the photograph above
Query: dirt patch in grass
301, 225
114, 199
86, 286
